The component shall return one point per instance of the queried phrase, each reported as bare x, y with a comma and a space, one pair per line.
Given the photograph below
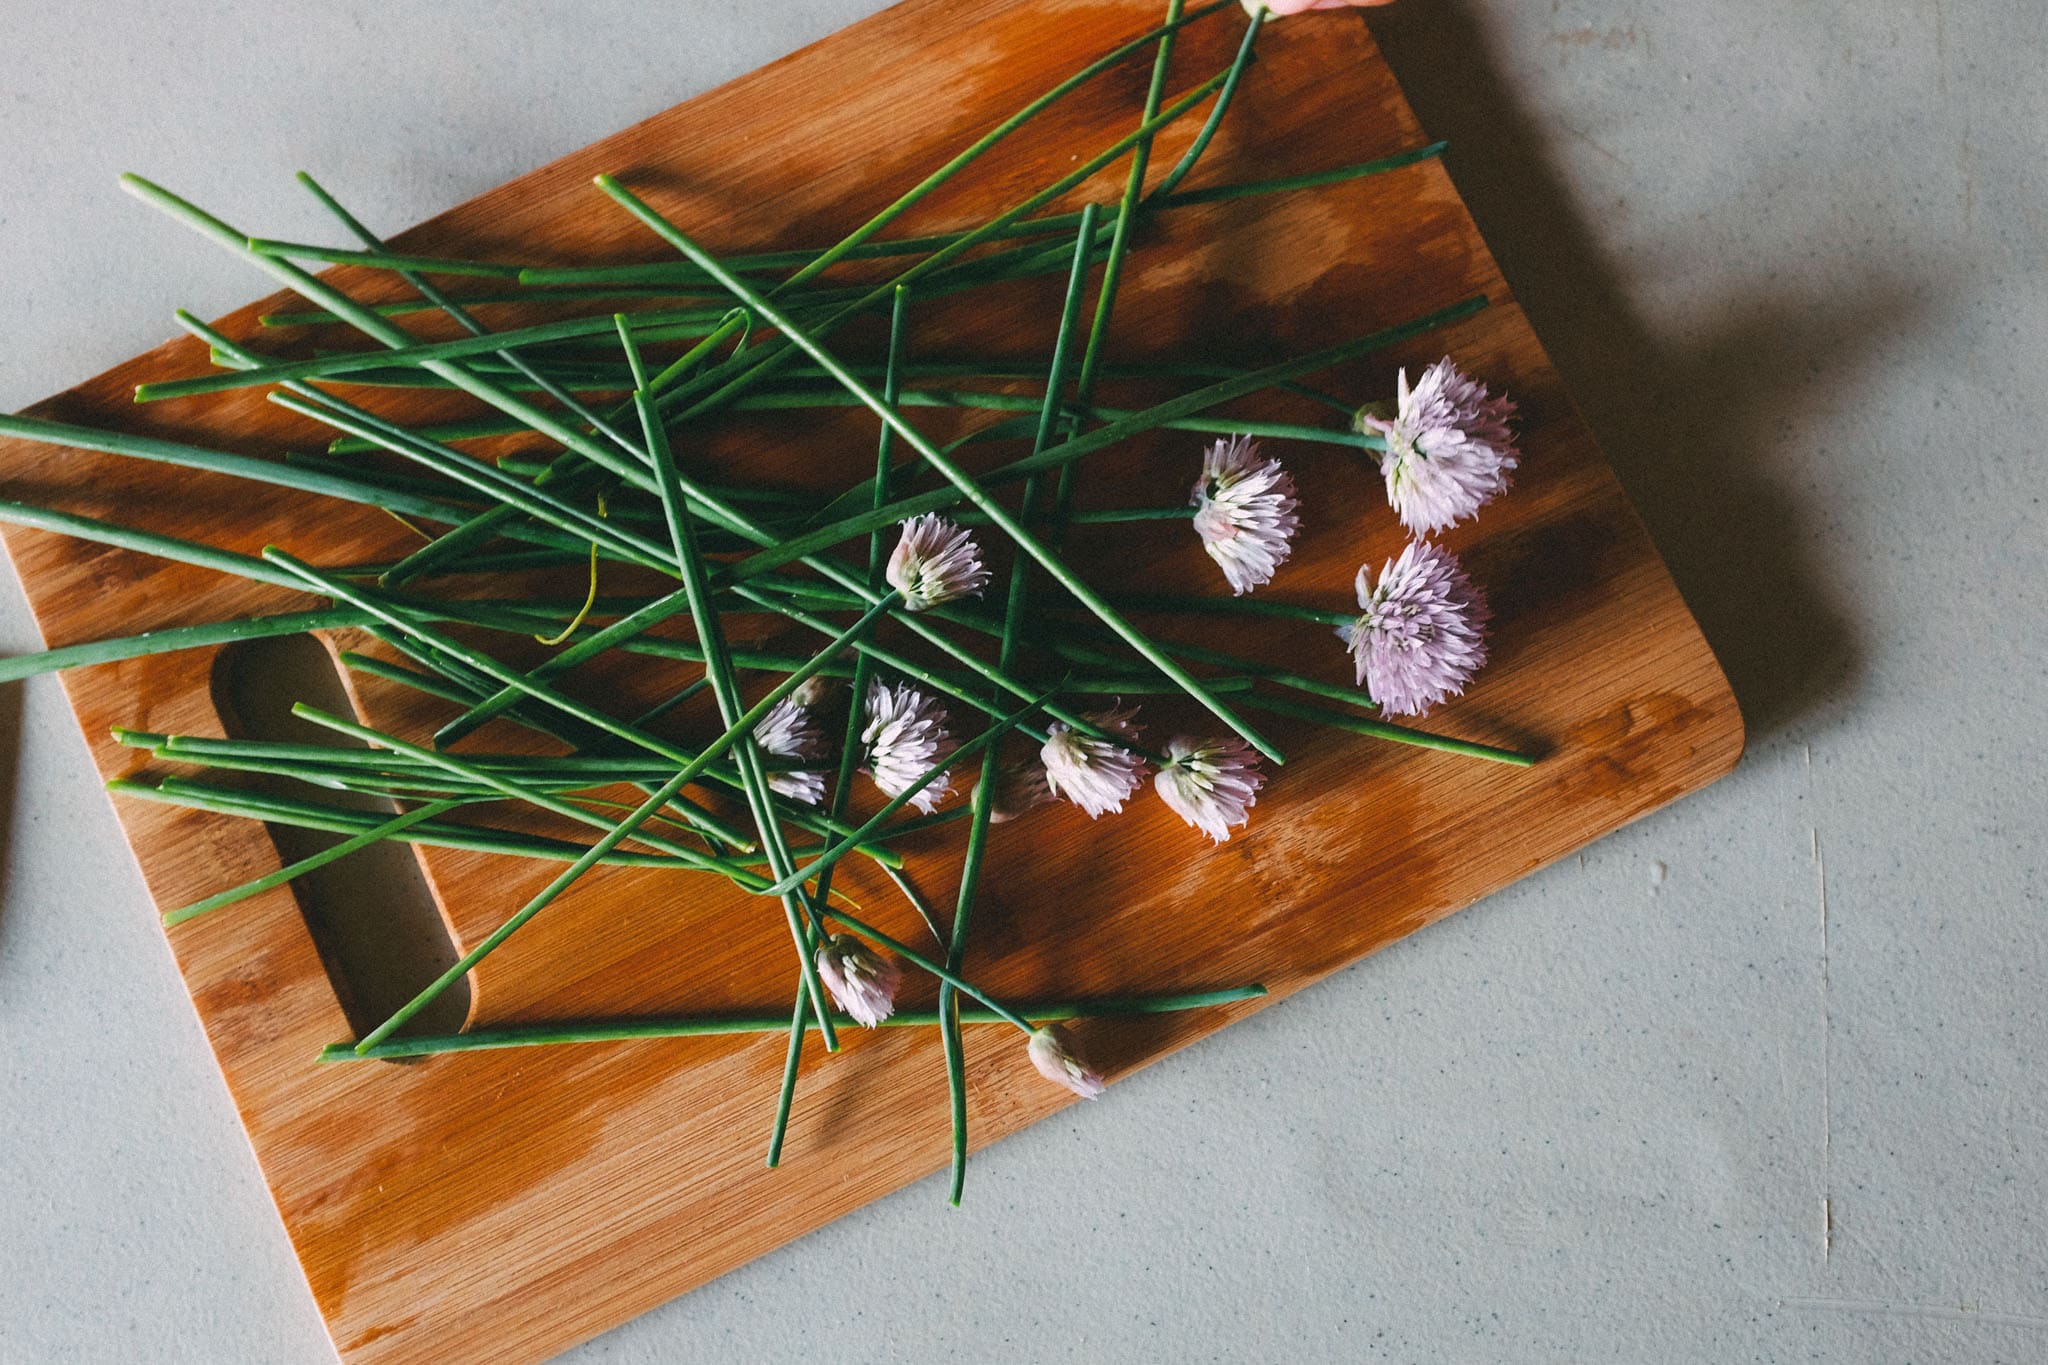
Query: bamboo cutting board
505, 1205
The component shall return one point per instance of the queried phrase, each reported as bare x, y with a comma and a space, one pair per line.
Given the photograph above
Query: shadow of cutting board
505, 1205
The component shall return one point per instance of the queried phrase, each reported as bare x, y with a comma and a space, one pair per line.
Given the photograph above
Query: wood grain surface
506, 1205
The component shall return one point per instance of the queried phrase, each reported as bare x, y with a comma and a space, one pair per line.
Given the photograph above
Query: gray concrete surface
1790, 258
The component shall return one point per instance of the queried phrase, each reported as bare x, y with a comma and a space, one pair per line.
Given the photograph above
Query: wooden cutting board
505, 1205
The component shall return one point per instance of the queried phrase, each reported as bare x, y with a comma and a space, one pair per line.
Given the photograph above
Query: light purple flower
860, 979
906, 737
1056, 1061
1020, 789
1210, 784
1094, 774
1449, 450
934, 562
1421, 637
1244, 512
789, 731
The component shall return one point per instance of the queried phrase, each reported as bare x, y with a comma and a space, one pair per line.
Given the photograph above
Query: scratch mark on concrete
1590, 141
1609, 39
1961, 1312
1966, 158
1827, 1031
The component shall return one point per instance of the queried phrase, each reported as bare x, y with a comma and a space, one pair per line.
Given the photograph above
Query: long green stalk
143, 542
389, 829
169, 640
627, 1030
1307, 180
402, 348
281, 473
593, 769
1224, 97
724, 687
418, 679
1379, 729
336, 820
398, 308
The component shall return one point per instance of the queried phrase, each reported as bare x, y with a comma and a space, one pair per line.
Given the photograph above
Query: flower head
1449, 450
860, 979
934, 562
906, 737
1210, 784
1056, 1061
1095, 774
1244, 512
1020, 789
789, 731
1421, 637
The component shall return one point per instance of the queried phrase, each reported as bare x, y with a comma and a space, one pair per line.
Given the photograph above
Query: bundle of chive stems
615, 492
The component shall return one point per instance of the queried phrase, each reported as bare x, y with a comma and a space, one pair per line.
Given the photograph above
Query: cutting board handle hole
371, 914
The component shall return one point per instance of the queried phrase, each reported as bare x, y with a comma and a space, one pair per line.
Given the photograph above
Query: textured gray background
1789, 257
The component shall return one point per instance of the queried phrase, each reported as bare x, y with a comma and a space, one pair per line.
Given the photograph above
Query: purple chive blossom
1449, 450
906, 737
934, 562
1020, 789
1094, 774
1422, 636
1056, 1061
1244, 512
788, 731
860, 979
1210, 784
